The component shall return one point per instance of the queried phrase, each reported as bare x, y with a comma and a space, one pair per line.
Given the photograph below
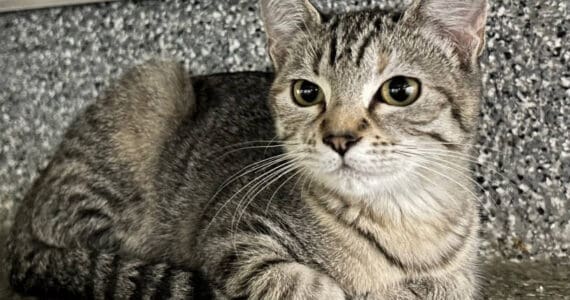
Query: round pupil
400, 89
309, 92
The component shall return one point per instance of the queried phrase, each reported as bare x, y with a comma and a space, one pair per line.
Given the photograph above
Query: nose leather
341, 143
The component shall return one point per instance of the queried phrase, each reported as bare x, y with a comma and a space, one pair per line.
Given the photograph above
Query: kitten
351, 182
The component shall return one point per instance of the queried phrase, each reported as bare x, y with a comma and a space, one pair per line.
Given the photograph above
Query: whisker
283, 184
261, 180
253, 167
449, 178
250, 196
221, 155
440, 162
461, 157
292, 188
478, 146
274, 166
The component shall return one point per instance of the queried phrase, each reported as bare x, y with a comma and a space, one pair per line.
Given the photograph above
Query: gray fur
171, 187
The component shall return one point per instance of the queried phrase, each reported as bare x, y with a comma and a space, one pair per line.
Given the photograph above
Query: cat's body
171, 187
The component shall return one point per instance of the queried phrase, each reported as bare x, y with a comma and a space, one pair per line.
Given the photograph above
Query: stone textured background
54, 62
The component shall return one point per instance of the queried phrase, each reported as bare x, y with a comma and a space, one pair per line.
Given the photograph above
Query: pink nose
341, 143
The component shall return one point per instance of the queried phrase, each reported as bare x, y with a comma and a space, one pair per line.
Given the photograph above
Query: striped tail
56, 273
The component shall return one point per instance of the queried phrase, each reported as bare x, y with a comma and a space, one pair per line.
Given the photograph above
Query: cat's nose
341, 143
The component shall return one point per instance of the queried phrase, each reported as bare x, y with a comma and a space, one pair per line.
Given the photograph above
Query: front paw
293, 281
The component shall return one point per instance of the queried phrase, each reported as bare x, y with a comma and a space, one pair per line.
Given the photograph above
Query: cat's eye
400, 91
306, 93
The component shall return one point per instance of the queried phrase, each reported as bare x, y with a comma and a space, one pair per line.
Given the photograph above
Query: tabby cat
343, 175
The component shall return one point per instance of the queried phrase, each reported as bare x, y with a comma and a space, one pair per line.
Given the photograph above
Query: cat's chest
358, 265
361, 269
365, 261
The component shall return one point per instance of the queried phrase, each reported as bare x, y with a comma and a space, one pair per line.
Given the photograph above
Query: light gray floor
54, 62
15, 5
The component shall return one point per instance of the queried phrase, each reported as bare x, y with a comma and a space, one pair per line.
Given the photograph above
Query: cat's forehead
354, 45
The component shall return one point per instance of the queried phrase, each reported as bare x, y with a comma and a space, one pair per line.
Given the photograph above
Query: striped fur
220, 187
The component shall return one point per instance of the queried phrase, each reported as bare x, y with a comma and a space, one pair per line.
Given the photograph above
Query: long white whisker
280, 186
266, 183
457, 144
458, 156
273, 168
445, 164
449, 178
261, 181
253, 167
248, 148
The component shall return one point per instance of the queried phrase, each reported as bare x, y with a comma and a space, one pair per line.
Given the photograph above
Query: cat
342, 175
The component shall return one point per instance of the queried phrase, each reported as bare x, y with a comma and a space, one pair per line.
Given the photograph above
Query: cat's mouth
346, 169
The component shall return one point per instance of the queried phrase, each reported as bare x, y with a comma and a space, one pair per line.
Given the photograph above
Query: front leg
258, 267
293, 281
457, 286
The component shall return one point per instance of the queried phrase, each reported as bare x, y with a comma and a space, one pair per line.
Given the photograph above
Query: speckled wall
54, 62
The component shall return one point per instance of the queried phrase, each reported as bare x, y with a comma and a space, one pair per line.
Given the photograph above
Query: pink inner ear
469, 42
464, 22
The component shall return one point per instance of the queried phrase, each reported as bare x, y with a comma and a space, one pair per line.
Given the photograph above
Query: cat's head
361, 98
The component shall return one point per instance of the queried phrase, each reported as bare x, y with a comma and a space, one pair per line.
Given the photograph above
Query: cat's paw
296, 282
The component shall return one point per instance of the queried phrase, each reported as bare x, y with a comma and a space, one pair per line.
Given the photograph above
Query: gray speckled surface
54, 62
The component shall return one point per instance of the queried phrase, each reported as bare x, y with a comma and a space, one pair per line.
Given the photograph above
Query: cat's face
360, 99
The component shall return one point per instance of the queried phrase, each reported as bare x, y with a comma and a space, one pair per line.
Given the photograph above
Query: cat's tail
62, 273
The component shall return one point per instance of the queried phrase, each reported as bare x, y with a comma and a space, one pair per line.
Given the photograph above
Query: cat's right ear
460, 21
284, 20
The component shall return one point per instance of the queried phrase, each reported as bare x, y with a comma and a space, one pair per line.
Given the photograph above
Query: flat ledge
15, 5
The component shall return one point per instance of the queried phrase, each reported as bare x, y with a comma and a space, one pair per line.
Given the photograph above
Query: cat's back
229, 129
230, 122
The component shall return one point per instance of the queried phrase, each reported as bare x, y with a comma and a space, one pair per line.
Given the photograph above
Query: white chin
352, 183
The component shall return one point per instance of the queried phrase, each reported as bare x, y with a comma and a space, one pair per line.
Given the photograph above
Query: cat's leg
460, 285
72, 229
265, 264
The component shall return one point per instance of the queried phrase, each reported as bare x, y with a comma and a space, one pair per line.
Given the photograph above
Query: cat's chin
351, 182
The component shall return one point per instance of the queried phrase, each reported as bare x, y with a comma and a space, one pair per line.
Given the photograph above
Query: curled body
343, 175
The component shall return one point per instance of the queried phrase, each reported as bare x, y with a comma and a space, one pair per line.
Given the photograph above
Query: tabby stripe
415, 293
92, 213
289, 291
433, 135
438, 137
333, 43
187, 149
75, 180
104, 193
227, 265
200, 288
392, 260
258, 227
139, 282
163, 289
263, 294
266, 265
259, 269
317, 61
79, 155
113, 278
294, 238
450, 255
455, 109
90, 285
367, 41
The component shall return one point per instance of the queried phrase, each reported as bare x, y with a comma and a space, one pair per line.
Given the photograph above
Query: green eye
400, 91
306, 93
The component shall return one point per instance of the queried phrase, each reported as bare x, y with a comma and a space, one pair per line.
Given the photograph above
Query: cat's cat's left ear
284, 20
462, 21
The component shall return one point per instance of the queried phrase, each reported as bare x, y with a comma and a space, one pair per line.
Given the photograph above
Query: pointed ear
283, 20
462, 21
